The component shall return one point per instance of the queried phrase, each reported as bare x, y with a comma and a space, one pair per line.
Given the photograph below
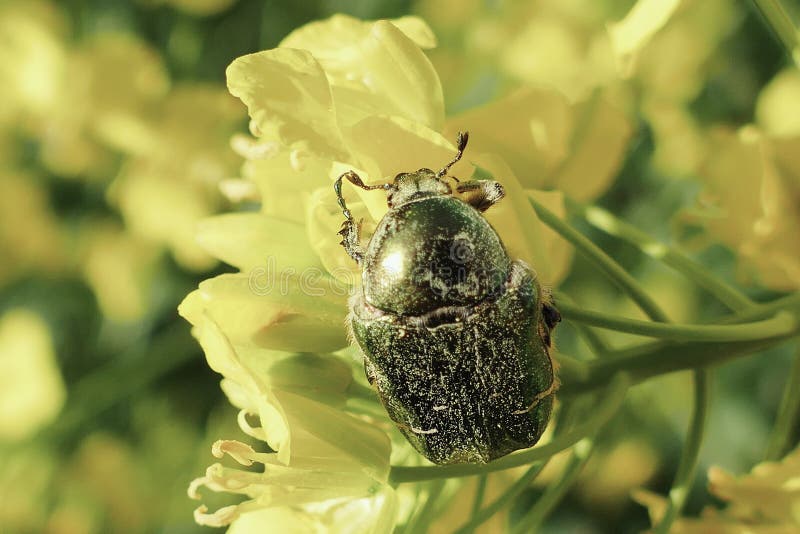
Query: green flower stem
609, 405
421, 520
602, 261
596, 343
676, 332
653, 359
605, 221
789, 303
779, 325
690, 454
533, 519
781, 24
505, 499
781, 439
477, 502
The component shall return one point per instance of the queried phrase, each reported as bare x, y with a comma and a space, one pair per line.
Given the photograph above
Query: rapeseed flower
33, 390
765, 500
752, 186
336, 95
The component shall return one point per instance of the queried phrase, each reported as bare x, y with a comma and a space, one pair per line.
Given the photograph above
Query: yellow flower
549, 43
32, 59
336, 95
39, 244
765, 501
550, 142
653, 61
752, 180
108, 89
326, 461
171, 180
119, 268
32, 390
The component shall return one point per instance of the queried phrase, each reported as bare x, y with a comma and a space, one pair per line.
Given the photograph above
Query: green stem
506, 498
653, 359
601, 260
780, 441
480, 492
691, 452
762, 310
422, 519
596, 343
611, 402
605, 221
597, 256
777, 326
533, 519
781, 24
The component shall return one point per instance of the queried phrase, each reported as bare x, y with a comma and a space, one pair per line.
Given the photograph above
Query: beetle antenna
461, 141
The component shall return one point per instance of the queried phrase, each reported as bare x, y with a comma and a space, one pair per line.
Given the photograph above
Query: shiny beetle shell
455, 335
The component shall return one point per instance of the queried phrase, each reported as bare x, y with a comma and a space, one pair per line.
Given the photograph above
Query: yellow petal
632, 33
279, 311
596, 150
417, 30
286, 179
323, 37
375, 68
165, 211
119, 268
252, 241
354, 438
749, 206
287, 89
32, 59
778, 106
549, 143
530, 129
387, 146
403, 75
32, 391
277, 519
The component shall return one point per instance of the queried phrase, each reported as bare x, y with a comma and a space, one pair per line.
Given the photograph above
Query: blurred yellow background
119, 137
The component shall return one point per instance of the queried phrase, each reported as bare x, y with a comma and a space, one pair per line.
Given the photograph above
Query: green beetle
455, 335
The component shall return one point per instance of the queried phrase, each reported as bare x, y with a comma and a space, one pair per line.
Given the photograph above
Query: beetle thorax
433, 252
411, 186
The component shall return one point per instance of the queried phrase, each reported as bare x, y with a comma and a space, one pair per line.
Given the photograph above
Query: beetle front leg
481, 194
350, 230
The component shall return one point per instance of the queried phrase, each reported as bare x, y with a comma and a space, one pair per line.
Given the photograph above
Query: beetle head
424, 183
411, 186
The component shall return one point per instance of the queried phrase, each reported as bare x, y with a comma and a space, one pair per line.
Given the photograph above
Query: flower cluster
766, 500
104, 111
751, 201
337, 95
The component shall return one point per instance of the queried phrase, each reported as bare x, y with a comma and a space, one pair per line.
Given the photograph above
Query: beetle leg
461, 143
481, 194
551, 315
351, 230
